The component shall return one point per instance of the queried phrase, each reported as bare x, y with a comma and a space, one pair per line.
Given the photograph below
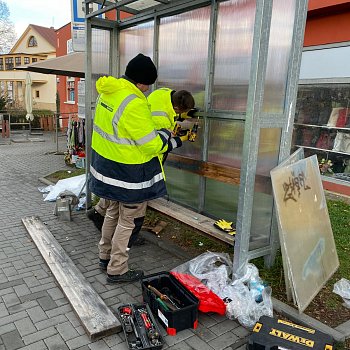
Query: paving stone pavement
34, 314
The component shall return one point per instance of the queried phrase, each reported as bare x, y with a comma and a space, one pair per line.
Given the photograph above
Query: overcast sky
46, 13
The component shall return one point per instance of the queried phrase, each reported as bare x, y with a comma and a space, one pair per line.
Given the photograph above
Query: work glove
185, 136
226, 226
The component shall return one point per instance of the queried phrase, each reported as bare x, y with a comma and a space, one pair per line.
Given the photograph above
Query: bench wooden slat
191, 218
96, 318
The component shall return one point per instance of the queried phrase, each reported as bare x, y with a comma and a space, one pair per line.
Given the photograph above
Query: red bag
208, 300
325, 141
342, 118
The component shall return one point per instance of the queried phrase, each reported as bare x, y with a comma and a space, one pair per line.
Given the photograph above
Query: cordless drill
186, 134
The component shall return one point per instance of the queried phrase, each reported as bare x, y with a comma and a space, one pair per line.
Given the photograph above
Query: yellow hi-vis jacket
125, 145
163, 113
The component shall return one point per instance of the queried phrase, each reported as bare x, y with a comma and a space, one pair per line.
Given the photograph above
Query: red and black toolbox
272, 334
140, 328
175, 306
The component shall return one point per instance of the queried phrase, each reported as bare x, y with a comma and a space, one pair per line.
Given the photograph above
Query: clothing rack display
75, 142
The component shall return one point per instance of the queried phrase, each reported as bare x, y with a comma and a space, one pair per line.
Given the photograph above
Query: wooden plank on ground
96, 318
191, 218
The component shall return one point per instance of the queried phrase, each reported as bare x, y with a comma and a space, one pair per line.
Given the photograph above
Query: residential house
35, 44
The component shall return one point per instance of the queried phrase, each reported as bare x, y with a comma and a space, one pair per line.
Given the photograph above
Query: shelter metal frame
255, 119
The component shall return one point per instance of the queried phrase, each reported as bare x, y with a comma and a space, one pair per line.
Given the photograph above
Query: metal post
88, 104
263, 16
56, 115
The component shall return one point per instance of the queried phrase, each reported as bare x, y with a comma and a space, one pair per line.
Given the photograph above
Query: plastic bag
342, 288
206, 276
46, 189
74, 184
208, 300
249, 297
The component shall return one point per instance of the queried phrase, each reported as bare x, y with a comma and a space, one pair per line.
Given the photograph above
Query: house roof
48, 34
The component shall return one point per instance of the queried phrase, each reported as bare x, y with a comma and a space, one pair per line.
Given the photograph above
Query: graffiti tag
294, 186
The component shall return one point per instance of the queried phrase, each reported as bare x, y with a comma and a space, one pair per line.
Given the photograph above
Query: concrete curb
45, 181
339, 333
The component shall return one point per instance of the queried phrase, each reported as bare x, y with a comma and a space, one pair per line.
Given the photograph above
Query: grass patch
64, 174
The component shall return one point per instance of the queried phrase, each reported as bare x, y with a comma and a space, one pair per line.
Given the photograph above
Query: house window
8, 63
32, 42
26, 60
37, 94
34, 60
1, 64
70, 89
10, 91
17, 61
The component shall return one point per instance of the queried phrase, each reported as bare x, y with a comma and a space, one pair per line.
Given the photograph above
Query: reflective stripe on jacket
125, 145
163, 113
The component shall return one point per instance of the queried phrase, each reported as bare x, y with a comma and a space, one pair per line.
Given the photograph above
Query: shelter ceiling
131, 6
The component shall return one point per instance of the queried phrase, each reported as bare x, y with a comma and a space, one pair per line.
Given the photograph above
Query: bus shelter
240, 59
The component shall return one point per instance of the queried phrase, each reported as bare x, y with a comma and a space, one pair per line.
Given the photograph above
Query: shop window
1, 64
37, 94
26, 60
32, 42
34, 60
18, 61
70, 89
322, 126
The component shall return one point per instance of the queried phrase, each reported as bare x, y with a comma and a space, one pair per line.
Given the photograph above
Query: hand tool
170, 303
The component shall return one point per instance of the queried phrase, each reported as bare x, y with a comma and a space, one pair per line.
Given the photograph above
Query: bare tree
7, 29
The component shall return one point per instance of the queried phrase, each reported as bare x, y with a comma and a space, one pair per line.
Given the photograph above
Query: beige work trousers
102, 205
115, 236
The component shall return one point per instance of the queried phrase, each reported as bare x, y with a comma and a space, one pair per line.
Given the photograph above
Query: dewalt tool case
273, 334
175, 307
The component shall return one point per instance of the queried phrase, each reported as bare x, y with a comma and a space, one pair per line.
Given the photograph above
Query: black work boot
96, 218
139, 240
130, 276
103, 263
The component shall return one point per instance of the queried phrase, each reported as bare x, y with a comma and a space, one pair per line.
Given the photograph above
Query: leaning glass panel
268, 152
281, 35
234, 40
134, 40
183, 52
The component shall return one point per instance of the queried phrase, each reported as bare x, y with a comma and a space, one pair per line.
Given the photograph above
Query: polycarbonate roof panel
143, 4
134, 6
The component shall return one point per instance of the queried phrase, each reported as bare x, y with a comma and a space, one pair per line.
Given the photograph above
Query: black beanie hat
141, 70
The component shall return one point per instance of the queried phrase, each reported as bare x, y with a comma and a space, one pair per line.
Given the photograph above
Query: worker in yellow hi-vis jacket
125, 167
